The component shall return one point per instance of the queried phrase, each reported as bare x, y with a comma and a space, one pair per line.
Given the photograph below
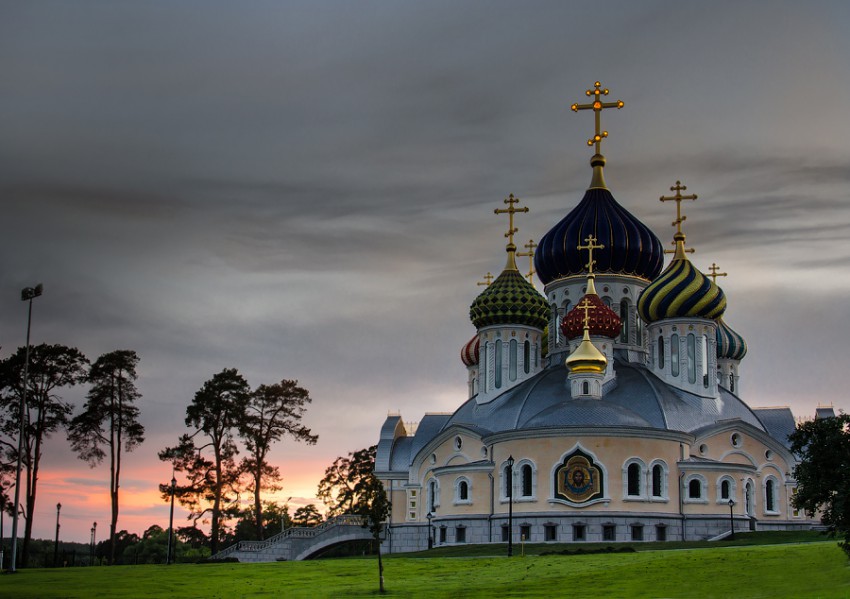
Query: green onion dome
681, 291
730, 344
510, 299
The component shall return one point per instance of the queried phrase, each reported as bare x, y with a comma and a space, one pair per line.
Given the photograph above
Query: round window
736, 440
703, 449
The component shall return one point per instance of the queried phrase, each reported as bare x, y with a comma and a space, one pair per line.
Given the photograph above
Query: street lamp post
27, 295
56, 543
731, 519
168, 558
93, 536
430, 538
510, 505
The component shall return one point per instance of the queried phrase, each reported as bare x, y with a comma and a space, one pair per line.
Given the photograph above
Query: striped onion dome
601, 320
681, 291
510, 299
631, 248
730, 344
469, 352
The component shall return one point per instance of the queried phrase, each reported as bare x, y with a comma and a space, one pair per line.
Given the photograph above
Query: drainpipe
492, 499
682, 504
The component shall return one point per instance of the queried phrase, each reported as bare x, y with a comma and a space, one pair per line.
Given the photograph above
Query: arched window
660, 351
674, 354
526, 476
462, 490
585, 388
512, 360
433, 495
633, 485
526, 356
507, 481
498, 364
731, 382
624, 318
724, 489
704, 347
658, 480
694, 489
770, 495
484, 366
692, 358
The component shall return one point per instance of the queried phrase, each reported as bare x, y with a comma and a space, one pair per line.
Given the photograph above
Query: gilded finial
530, 246
598, 160
488, 278
586, 358
679, 237
714, 274
510, 211
586, 307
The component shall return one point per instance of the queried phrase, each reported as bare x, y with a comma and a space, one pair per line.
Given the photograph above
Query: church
609, 408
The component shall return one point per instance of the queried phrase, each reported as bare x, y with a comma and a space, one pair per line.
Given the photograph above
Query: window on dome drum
609, 532
704, 347
633, 486
512, 360
674, 354
506, 533
695, 489
497, 366
692, 358
624, 318
585, 388
485, 351
660, 352
731, 382
770, 496
526, 356
578, 532
660, 533
724, 489
550, 532
460, 534
442, 534
657, 481
525, 532
526, 474
637, 532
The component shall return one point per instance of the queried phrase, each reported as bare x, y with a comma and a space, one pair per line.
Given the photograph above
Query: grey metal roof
824, 412
779, 423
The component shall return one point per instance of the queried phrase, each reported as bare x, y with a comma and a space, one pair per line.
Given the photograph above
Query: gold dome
586, 358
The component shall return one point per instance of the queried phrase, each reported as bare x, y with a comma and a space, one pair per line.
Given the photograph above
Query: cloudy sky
306, 189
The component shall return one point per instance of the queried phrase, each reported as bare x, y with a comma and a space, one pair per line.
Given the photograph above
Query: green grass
807, 570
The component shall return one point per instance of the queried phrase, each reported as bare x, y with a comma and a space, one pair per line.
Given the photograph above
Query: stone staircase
298, 543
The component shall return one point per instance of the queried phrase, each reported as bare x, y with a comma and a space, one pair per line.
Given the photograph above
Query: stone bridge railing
281, 545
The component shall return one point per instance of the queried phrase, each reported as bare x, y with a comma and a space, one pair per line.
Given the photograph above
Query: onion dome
681, 291
469, 354
631, 248
601, 320
730, 344
586, 358
510, 299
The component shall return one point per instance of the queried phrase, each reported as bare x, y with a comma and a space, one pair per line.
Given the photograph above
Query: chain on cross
510, 211
590, 240
714, 274
597, 106
530, 246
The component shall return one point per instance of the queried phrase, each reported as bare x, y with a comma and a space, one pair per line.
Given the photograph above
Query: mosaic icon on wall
579, 479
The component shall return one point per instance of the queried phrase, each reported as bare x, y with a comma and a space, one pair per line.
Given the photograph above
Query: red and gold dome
602, 320
469, 354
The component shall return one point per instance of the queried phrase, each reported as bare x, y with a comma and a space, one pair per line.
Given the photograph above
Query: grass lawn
807, 570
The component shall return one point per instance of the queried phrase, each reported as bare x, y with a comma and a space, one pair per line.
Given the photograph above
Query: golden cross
487, 280
530, 253
510, 211
590, 240
687, 250
586, 306
714, 274
678, 188
597, 106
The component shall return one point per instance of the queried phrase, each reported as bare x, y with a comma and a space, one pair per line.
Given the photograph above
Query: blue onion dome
510, 299
681, 291
730, 344
631, 248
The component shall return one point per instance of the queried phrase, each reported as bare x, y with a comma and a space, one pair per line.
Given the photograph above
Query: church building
608, 408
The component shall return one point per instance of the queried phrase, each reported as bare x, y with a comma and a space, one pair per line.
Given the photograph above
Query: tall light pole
27, 295
56, 543
93, 535
171, 521
510, 505
731, 519
430, 538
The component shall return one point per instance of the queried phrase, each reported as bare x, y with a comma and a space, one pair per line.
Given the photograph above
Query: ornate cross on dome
510, 211
714, 274
530, 253
597, 106
680, 218
590, 240
586, 306
488, 278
